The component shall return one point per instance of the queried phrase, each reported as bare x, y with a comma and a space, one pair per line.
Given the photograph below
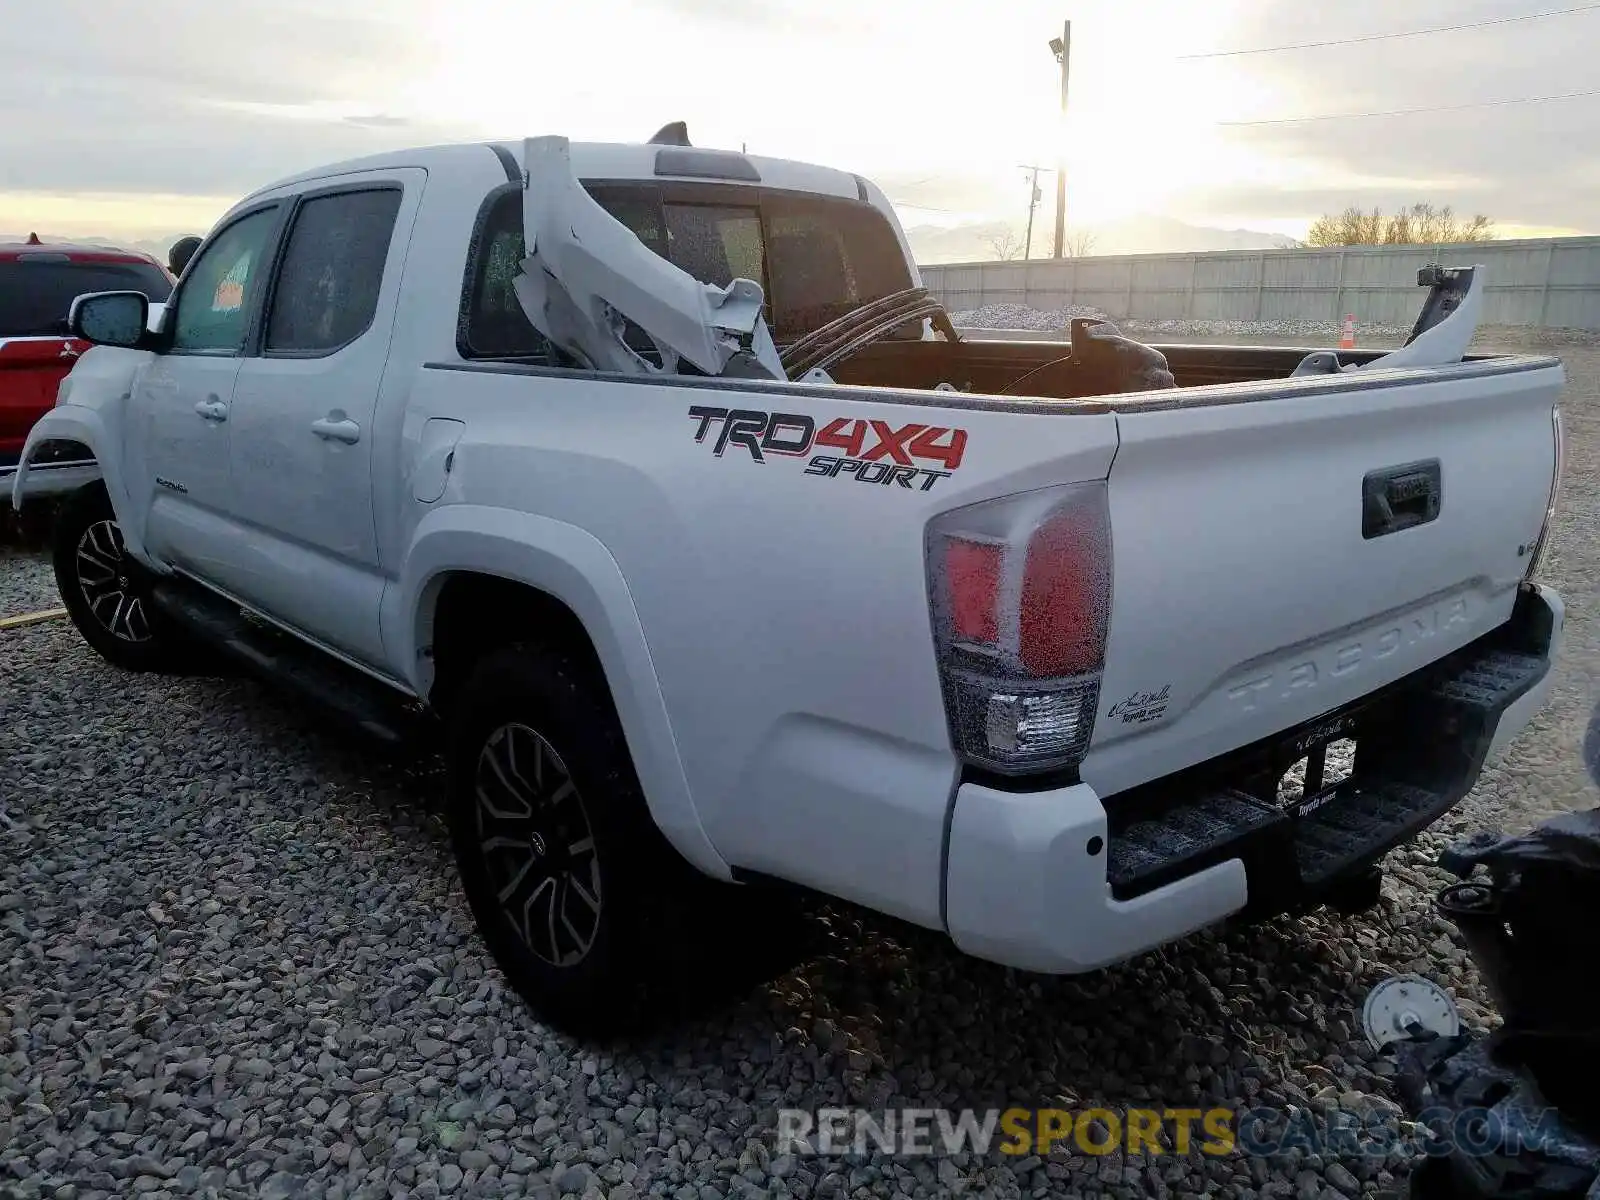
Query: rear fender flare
574, 567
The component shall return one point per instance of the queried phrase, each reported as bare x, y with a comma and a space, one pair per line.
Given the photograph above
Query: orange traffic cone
1347, 337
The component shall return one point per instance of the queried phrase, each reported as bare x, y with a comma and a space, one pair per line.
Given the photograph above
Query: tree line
1418, 225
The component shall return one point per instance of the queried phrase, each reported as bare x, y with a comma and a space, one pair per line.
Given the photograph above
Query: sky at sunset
144, 121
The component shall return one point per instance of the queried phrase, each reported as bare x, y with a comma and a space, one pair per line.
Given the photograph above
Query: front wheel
581, 899
105, 591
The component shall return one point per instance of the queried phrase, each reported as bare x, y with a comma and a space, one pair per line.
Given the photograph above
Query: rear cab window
815, 257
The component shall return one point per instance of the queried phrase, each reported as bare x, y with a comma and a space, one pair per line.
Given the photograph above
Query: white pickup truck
652, 473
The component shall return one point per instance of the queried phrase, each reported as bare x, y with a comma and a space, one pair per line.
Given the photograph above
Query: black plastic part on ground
1530, 924
1521, 1103
1503, 1143
1456, 1179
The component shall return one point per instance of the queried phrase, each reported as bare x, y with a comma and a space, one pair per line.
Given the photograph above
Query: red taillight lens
1021, 592
1065, 589
972, 570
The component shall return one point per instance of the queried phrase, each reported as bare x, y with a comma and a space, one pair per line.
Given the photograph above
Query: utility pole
1034, 196
1062, 48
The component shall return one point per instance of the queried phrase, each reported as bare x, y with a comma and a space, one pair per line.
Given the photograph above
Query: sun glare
943, 98
940, 107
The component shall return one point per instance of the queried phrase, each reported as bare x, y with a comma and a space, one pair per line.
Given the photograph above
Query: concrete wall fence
1554, 283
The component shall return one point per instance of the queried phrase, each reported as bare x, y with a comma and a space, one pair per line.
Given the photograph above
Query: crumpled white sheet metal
1446, 342
585, 273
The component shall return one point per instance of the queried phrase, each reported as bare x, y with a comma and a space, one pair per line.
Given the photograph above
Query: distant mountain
1143, 234
155, 247
1147, 234
965, 243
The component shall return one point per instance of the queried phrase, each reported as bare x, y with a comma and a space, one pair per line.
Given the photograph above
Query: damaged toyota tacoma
653, 474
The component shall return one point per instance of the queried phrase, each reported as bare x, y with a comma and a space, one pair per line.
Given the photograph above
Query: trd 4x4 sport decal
870, 451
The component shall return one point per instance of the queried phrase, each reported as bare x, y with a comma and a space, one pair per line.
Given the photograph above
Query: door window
221, 285
327, 289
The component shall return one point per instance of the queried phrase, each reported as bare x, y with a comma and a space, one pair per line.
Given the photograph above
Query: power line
1383, 37
922, 207
1406, 112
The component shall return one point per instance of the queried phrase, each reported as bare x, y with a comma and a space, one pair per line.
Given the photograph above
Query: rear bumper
1060, 881
1521, 711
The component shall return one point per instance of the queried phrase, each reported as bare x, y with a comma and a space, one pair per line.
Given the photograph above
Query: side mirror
110, 318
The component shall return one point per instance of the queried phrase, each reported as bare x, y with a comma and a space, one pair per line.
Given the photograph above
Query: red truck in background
38, 282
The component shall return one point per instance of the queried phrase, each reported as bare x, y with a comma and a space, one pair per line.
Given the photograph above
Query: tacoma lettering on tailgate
870, 450
1344, 660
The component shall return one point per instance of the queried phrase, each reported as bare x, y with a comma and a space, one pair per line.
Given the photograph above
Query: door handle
212, 409
337, 429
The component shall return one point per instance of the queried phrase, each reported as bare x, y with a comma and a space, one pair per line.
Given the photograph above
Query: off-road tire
557, 851
106, 592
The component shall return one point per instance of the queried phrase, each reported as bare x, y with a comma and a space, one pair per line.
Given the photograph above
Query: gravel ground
234, 961
27, 584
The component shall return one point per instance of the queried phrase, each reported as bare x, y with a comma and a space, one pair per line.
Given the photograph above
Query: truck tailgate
1277, 559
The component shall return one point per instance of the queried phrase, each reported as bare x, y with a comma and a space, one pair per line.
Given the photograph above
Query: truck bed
989, 367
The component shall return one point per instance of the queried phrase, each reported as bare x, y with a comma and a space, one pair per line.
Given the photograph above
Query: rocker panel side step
344, 693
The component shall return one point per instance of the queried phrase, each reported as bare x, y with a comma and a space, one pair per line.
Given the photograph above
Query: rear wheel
582, 901
105, 591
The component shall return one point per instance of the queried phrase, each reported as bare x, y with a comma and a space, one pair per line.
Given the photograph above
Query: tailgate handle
1397, 498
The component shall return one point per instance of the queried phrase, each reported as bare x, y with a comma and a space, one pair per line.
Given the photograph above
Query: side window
496, 326
221, 285
327, 290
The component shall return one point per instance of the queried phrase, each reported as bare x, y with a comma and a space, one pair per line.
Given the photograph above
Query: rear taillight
1543, 539
1021, 591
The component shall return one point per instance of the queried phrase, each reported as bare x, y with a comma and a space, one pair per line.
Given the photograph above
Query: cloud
380, 121
756, 16
212, 98
188, 97
284, 52
1520, 163
941, 192
771, 16
160, 144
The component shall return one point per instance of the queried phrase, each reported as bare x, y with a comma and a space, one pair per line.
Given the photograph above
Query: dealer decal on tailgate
868, 450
